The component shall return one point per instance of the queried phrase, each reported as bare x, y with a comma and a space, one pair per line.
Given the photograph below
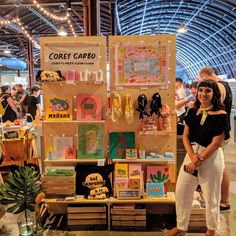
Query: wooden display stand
159, 141
72, 58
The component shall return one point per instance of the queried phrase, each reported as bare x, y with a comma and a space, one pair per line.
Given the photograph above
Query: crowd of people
18, 103
203, 111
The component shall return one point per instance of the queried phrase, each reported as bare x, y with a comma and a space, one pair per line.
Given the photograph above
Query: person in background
21, 98
179, 108
226, 97
11, 112
34, 103
204, 131
187, 89
189, 100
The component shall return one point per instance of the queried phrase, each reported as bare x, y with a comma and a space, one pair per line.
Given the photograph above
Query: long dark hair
217, 104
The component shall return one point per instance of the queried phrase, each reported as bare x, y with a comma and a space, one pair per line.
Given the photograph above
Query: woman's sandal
175, 232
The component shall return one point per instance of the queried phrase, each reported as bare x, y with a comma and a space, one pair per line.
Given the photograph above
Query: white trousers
210, 174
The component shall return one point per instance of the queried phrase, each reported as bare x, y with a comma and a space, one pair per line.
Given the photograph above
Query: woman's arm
39, 109
212, 147
12, 105
188, 147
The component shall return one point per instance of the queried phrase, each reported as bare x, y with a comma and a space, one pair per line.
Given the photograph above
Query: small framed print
131, 154
155, 189
128, 193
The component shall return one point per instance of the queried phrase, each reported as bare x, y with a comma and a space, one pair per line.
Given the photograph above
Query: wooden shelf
75, 121
147, 200
158, 133
63, 161
64, 82
77, 201
154, 160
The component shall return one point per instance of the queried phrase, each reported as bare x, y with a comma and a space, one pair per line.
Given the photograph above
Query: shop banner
79, 57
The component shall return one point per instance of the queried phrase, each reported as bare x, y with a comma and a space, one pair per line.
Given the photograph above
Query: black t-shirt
9, 113
214, 125
32, 106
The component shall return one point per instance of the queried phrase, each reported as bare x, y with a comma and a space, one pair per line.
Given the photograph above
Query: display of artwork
160, 174
155, 189
131, 154
121, 170
135, 171
119, 142
170, 187
141, 64
121, 183
134, 183
60, 144
70, 152
89, 107
91, 141
58, 108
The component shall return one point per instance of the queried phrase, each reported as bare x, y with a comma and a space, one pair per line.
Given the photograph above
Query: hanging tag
101, 162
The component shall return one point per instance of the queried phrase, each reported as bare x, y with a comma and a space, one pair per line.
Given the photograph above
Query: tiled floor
228, 220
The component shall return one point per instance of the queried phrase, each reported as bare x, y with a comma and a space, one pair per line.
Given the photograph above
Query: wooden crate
128, 219
59, 185
86, 215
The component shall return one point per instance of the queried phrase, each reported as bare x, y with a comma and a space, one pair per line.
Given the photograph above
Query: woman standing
34, 103
11, 112
204, 132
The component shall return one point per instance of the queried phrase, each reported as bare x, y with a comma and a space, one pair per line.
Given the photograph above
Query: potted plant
19, 194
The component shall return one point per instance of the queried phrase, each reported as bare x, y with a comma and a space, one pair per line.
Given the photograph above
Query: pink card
160, 174
70, 153
135, 171
89, 107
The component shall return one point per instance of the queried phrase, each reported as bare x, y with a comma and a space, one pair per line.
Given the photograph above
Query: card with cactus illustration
160, 174
131, 154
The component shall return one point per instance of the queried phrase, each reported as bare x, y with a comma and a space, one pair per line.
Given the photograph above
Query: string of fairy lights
17, 21
55, 17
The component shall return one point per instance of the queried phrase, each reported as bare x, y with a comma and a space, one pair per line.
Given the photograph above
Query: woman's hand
190, 167
195, 159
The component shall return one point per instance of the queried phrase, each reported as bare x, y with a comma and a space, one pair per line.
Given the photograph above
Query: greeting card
89, 107
121, 170
58, 108
121, 183
134, 183
91, 141
119, 142
155, 189
59, 144
169, 187
131, 154
70, 152
160, 174
135, 171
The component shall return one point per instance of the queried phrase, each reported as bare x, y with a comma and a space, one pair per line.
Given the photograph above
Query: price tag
170, 194
143, 88
101, 162
70, 81
119, 88
164, 86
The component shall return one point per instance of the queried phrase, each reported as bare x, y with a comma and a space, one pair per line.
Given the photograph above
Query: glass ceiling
211, 30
